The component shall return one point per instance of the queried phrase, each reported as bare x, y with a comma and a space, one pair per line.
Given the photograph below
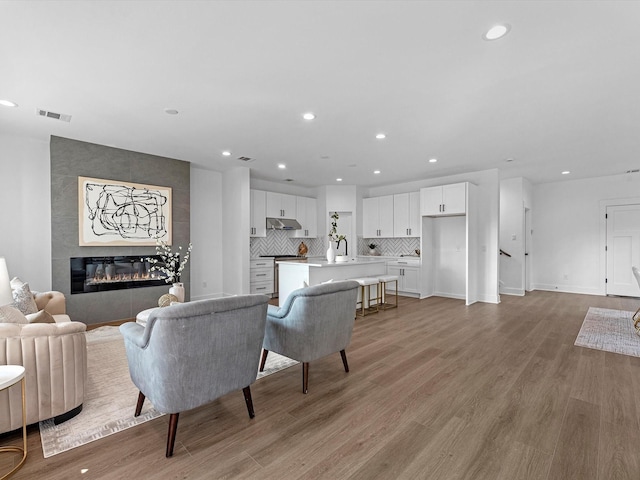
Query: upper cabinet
406, 215
307, 216
377, 217
443, 200
281, 205
258, 213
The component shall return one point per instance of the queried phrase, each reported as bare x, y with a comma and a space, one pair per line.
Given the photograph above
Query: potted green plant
372, 248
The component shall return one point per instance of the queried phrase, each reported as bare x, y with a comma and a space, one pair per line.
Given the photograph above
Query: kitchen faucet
346, 246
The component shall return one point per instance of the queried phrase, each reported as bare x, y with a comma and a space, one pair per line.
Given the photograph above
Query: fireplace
99, 274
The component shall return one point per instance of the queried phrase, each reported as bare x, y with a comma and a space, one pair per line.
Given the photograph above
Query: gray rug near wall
111, 396
609, 330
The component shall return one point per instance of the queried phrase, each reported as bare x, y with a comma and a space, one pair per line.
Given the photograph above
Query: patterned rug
609, 330
111, 396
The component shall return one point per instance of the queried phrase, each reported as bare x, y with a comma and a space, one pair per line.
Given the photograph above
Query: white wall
206, 234
25, 216
488, 198
236, 199
512, 236
568, 231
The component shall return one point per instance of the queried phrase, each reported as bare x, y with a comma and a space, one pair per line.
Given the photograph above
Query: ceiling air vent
56, 116
246, 159
636, 170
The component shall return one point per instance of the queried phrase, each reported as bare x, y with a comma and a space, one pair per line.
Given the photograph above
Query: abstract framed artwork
118, 213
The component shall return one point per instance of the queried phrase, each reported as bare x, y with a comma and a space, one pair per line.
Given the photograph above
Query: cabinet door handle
261, 275
409, 231
261, 288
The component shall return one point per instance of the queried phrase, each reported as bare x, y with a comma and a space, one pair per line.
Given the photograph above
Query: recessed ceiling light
282, 166
509, 159
433, 160
338, 179
308, 116
226, 153
497, 31
566, 172
380, 136
8, 103
171, 111
376, 172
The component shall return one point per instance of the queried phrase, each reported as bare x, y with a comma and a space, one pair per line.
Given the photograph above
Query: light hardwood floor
437, 390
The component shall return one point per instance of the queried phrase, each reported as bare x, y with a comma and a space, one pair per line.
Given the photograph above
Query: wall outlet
513, 236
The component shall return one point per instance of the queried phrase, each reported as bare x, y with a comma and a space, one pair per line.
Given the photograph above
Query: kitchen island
293, 275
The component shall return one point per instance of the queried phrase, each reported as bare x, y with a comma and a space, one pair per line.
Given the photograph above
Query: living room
589, 132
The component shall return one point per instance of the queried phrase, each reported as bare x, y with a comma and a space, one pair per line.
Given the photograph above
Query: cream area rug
110, 396
609, 330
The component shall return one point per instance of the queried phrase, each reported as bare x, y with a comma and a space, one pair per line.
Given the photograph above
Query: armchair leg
248, 401
171, 435
264, 359
141, 398
305, 377
343, 354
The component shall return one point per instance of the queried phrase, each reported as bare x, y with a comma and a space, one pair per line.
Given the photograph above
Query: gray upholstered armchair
312, 323
189, 354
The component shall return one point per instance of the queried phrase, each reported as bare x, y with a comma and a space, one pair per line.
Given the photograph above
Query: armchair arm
135, 333
53, 302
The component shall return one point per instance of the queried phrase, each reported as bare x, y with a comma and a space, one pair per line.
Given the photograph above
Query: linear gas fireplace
99, 274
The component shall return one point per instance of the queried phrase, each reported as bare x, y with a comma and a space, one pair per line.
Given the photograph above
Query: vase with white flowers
171, 266
334, 237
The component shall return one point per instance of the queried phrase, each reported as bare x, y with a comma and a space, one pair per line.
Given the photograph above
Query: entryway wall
515, 199
569, 231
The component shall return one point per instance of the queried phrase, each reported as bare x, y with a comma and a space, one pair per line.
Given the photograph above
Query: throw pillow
23, 299
304, 284
40, 317
16, 282
9, 314
328, 281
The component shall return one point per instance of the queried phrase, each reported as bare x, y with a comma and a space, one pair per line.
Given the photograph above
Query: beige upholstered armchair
54, 355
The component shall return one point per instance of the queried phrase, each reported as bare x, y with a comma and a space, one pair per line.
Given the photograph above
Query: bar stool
365, 291
384, 279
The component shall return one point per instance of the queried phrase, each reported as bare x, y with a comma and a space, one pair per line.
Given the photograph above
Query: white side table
9, 376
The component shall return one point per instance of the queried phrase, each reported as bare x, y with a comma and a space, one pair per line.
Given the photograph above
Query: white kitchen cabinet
406, 215
258, 213
408, 276
281, 205
307, 217
443, 200
377, 217
261, 275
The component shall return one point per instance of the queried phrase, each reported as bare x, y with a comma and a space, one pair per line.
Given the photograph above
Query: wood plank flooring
437, 390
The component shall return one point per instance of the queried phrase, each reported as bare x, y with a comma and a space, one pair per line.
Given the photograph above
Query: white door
623, 249
527, 249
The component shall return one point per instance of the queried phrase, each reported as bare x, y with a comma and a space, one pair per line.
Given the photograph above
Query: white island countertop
296, 274
324, 263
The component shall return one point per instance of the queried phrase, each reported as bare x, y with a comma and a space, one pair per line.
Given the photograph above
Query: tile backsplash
278, 242
389, 246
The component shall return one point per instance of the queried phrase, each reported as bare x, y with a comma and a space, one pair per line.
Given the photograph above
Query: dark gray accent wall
71, 159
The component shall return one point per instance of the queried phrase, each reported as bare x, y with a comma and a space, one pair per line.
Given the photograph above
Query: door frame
613, 202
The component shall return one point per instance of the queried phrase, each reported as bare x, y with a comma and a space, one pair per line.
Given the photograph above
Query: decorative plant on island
170, 264
335, 237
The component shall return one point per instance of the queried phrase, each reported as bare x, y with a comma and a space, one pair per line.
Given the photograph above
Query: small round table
9, 376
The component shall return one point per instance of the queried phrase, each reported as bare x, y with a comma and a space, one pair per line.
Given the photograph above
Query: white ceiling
560, 92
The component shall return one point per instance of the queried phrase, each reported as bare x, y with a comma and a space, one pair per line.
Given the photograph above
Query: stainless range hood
283, 224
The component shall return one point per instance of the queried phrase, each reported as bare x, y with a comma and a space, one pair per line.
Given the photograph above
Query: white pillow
9, 314
304, 284
328, 281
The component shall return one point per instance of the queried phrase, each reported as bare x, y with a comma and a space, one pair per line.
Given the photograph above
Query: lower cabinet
408, 276
261, 276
